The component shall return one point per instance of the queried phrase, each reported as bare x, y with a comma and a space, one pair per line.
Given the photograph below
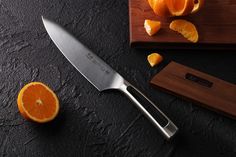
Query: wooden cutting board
216, 24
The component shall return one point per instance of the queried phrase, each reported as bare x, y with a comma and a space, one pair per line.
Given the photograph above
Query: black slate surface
92, 123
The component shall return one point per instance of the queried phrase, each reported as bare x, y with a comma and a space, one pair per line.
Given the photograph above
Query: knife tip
42, 17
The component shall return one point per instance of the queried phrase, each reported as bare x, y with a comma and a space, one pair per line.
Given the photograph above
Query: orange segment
152, 27
186, 28
154, 59
37, 102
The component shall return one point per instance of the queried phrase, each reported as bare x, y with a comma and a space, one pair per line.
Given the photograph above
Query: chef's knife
103, 77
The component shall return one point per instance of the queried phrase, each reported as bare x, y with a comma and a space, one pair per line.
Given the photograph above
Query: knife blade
103, 77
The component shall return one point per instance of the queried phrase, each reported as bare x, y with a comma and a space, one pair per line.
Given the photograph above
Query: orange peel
198, 4
159, 7
180, 7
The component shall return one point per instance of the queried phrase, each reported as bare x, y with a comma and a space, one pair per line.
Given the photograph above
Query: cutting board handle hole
198, 80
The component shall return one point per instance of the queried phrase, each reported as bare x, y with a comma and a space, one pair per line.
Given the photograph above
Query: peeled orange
180, 7
167, 8
159, 7
152, 27
37, 102
186, 28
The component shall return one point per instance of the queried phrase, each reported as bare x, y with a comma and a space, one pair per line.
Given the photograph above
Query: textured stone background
92, 123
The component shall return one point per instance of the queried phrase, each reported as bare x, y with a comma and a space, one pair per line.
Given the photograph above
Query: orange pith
186, 28
152, 27
38, 102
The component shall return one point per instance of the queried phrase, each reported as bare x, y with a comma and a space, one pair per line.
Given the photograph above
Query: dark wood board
215, 22
199, 87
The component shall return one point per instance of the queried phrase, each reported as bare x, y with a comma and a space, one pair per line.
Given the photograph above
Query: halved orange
152, 27
186, 28
154, 59
37, 102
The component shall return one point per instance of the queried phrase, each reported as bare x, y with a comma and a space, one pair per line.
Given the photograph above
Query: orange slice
37, 102
186, 28
152, 27
154, 59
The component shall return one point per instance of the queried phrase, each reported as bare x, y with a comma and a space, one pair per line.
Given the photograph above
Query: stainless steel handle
150, 110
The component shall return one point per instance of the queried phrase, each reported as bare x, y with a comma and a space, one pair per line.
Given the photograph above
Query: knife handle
150, 110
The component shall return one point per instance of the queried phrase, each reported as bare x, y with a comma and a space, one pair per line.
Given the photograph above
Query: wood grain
216, 25
209, 91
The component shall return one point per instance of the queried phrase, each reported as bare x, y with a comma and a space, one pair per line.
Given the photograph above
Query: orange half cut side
37, 102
